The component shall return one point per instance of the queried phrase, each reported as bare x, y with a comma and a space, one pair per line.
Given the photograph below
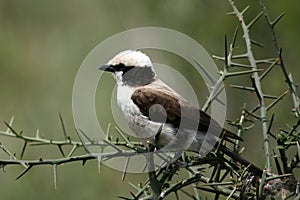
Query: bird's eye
120, 67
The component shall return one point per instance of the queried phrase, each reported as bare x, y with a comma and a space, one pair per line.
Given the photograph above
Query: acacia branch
288, 77
257, 83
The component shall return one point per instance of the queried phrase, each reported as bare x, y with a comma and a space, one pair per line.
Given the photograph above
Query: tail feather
230, 135
252, 168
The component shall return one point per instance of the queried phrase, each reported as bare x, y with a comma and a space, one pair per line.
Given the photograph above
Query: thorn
99, 159
277, 163
11, 120
176, 195
107, 131
298, 147
269, 96
81, 140
86, 137
273, 136
257, 43
277, 19
255, 20
55, 176
132, 195
24, 172
269, 69
10, 124
83, 162
240, 65
277, 100
11, 129
208, 75
226, 51
251, 89
252, 114
61, 150
23, 149
123, 136
125, 198
72, 151
63, 126
135, 187
112, 145
125, 168
37, 133
245, 10
271, 123
242, 72
234, 37
230, 13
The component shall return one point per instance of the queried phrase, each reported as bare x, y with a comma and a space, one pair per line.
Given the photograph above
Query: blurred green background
43, 43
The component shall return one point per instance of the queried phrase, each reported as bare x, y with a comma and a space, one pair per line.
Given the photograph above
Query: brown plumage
173, 109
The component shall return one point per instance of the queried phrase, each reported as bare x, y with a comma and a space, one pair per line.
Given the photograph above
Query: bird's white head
131, 58
132, 68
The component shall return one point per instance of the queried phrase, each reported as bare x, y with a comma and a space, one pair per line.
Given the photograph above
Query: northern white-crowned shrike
155, 111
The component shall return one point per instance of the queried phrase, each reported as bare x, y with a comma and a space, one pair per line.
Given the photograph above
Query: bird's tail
252, 168
227, 135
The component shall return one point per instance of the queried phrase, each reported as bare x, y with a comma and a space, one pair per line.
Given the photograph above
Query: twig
257, 83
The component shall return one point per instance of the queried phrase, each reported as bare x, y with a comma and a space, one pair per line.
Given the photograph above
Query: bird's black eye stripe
122, 67
119, 67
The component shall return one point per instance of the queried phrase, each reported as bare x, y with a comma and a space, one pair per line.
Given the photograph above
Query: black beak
107, 68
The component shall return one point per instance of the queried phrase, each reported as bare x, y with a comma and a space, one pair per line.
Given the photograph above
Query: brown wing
173, 109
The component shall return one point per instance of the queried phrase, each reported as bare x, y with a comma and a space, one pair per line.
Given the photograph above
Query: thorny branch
286, 138
228, 178
256, 79
161, 179
288, 77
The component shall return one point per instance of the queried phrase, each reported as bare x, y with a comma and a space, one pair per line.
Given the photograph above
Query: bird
156, 112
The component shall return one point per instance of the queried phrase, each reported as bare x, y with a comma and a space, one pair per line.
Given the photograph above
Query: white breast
124, 94
138, 123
